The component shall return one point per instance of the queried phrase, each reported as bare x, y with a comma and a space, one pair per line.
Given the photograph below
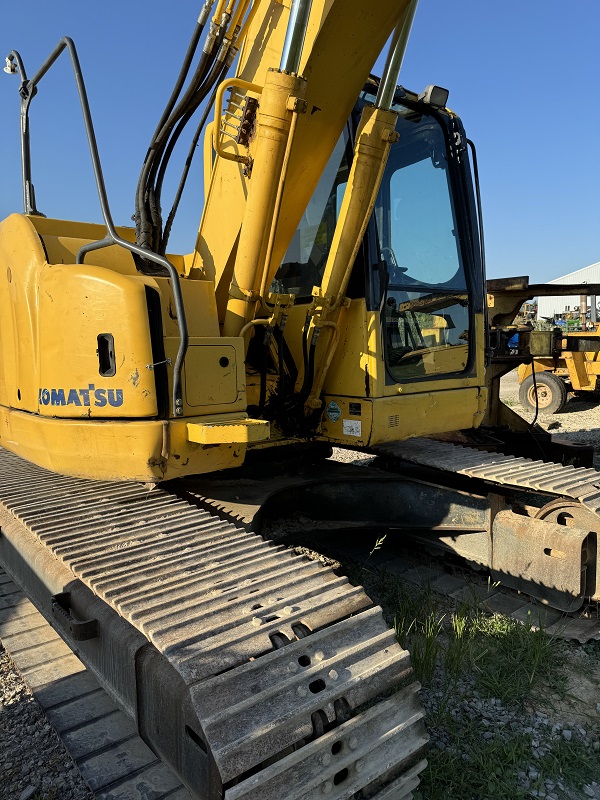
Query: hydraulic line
264, 357
217, 74
305, 350
154, 155
280, 366
185, 68
225, 58
186, 169
309, 374
147, 204
276, 211
192, 100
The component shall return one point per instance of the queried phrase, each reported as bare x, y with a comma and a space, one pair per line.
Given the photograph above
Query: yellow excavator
336, 296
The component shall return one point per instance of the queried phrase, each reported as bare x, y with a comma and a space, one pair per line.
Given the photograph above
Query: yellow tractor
563, 363
159, 410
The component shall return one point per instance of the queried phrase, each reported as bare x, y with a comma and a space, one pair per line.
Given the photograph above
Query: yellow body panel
148, 451
358, 422
214, 375
77, 303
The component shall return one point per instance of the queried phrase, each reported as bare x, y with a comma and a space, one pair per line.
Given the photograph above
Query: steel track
577, 485
113, 761
244, 666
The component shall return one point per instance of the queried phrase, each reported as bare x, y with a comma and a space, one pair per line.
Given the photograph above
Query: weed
418, 624
512, 660
425, 646
471, 767
457, 648
378, 545
572, 761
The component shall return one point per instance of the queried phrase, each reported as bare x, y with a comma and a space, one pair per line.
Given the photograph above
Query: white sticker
351, 427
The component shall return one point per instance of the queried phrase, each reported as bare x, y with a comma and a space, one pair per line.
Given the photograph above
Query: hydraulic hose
214, 77
184, 176
280, 367
148, 216
263, 378
309, 375
152, 161
183, 72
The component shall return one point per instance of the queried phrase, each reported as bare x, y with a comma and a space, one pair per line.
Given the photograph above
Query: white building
550, 307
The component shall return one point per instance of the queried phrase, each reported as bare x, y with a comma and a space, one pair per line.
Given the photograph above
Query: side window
304, 262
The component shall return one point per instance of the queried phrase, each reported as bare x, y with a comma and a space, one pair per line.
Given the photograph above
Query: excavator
158, 412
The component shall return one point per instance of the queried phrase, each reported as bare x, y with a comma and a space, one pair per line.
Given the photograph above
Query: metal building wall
548, 307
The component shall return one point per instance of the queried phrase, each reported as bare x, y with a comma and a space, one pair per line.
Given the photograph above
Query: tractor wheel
551, 393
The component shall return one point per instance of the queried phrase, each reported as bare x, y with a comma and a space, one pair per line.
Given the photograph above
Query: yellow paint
114, 450
52, 310
343, 41
212, 433
388, 419
214, 375
273, 128
579, 369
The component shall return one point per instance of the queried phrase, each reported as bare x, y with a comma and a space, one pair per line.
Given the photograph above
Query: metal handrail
27, 90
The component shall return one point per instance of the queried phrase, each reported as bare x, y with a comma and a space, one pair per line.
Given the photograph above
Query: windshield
426, 313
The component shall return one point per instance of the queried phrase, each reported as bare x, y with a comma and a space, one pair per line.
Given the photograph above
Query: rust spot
158, 461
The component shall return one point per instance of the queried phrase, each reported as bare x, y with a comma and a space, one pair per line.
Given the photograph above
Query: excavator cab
415, 292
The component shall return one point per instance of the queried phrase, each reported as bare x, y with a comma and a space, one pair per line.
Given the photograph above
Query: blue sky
522, 75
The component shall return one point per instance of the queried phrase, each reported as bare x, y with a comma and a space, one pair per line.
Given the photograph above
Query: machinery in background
564, 362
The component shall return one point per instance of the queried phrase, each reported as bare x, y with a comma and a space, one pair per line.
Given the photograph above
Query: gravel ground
502, 723
35, 766
578, 421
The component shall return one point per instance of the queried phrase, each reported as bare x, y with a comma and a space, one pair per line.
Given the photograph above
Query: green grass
509, 660
454, 647
514, 661
474, 769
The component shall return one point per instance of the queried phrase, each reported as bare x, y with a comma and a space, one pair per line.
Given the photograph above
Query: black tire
551, 392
